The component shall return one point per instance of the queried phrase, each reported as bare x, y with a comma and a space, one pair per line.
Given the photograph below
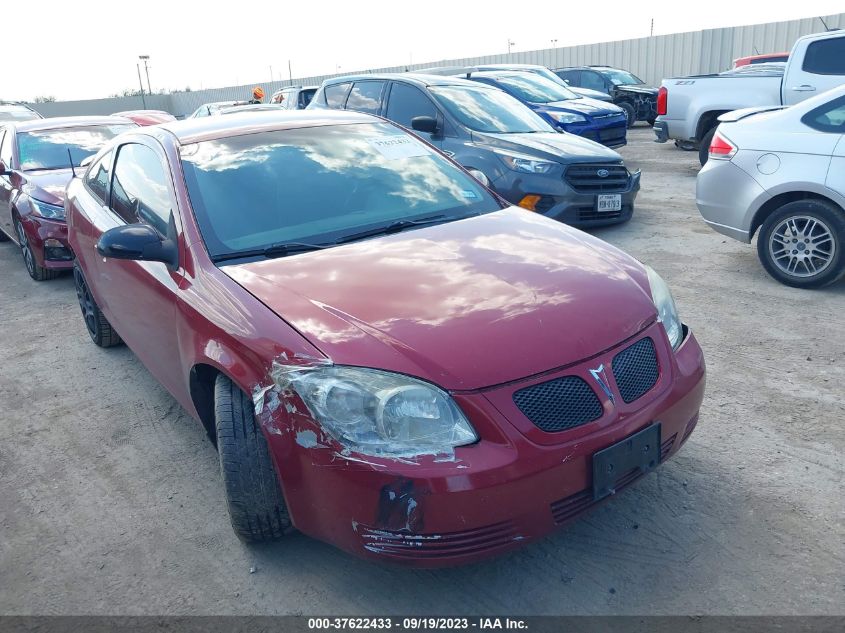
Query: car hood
560, 147
48, 186
468, 304
637, 89
589, 107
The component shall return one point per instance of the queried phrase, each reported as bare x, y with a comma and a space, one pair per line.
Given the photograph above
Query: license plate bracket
608, 202
640, 452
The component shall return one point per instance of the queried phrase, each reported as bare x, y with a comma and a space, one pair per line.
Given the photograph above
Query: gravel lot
111, 499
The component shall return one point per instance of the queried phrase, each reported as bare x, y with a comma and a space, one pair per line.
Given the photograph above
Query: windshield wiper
274, 250
393, 227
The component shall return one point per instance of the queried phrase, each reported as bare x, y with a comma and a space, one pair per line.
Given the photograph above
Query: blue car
565, 111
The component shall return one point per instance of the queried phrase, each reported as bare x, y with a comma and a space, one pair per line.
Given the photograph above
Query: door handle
803, 88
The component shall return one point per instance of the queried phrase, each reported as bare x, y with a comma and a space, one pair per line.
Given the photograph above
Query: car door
593, 80
821, 67
406, 102
140, 298
7, 188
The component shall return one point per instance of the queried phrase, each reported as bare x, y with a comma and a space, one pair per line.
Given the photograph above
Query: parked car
210, 109
760, 59
561, 108
387, 355
781, 171
627, 90
459, 71
500, 141
294, 97
37, 159
147, 117
689, 107
13, 111
251, 107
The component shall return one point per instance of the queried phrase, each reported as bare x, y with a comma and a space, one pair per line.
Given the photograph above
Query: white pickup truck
688, 108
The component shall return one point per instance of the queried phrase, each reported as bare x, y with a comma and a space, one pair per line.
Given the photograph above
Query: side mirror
425, 124
138, 242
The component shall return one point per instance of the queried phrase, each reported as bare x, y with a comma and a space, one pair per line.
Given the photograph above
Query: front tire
38, 273
802, 244
630, 112
256, 506
98, 326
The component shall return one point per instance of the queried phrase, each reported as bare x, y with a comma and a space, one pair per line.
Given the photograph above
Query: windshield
319, 184
534, 88
17, 113
488, 110
621, 77
48, 149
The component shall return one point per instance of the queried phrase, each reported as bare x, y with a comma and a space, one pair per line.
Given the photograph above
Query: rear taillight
721, 147
662, 99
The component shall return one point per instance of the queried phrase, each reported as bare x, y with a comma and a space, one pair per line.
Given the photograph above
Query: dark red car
37, 159
388, 357
147, 117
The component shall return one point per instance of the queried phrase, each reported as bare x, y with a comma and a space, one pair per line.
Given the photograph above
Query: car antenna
70, 158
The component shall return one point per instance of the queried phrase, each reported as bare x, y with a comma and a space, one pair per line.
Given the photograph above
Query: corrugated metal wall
651, 58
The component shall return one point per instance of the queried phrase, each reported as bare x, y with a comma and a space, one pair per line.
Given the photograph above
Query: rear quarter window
335, 94
827, 118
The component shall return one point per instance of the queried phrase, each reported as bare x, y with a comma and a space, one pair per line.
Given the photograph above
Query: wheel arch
706, 121
777, 201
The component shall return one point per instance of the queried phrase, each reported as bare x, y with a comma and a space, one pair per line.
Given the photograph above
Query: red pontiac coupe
37, 159
388, 357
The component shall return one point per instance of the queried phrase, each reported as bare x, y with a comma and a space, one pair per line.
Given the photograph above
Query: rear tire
98, 326
630, 112
704, 145
802, 236
256, 505
38, 273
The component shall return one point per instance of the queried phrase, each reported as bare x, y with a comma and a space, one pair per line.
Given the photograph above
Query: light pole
141, 83
510, 43
145, 58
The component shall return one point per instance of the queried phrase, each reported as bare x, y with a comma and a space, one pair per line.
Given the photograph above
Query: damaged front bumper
485, 499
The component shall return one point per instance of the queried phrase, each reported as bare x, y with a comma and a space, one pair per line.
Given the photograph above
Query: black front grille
586, 178
589, 214
560, 404
635, 369
612, 133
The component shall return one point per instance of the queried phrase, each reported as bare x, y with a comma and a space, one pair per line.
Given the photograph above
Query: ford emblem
602, 173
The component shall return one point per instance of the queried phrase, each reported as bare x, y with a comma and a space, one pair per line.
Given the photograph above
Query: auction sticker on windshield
396, 146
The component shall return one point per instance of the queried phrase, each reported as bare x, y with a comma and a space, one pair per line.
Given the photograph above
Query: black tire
704, 145
630, 112
256, 505
98, 326
829, 221
38, 273
651, 121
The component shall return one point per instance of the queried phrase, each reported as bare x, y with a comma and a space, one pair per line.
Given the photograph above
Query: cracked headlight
667, 312
380, 413
526, 164
567, 117
45, 210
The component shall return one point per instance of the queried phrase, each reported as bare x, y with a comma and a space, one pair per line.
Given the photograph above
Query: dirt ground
111, 500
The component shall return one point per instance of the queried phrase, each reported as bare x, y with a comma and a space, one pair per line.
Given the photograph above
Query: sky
88, 50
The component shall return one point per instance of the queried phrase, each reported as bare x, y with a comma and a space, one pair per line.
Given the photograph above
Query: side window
6, 148
829, 117
140, 188
592, 80
365, 97
336, 94
571, 76
406, 102
98, 178
825, 57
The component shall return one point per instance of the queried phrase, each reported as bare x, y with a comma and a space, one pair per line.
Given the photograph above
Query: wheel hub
802, 246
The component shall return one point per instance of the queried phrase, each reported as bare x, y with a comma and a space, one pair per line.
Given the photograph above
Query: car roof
420, 79
251, 122
70, 121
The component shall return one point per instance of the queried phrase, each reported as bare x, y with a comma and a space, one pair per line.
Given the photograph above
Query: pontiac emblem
600, 376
